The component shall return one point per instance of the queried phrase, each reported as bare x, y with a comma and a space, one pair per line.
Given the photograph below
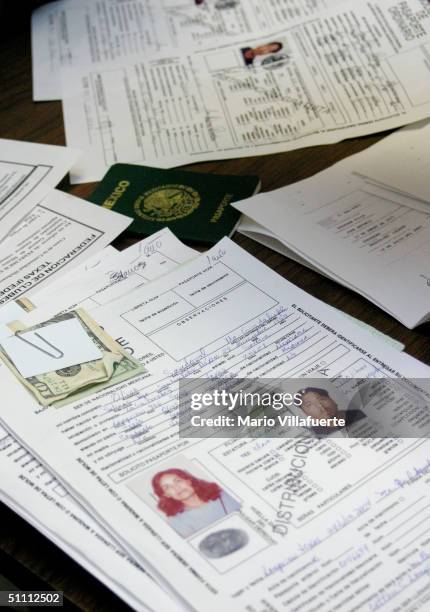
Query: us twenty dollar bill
69, 384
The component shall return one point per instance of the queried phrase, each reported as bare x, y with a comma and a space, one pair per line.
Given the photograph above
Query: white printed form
364, 237
28, 172
225, 313
84, 32
343, 74
59, 233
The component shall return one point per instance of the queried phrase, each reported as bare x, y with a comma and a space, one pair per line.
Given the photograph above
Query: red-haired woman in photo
190, 503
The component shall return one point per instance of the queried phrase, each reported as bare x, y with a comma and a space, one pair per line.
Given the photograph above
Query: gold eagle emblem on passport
167, 203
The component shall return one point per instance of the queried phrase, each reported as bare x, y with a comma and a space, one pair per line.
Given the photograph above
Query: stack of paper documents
48, 236
28, 487
165, 84
104, 476
370, 232
176, 522
56, 259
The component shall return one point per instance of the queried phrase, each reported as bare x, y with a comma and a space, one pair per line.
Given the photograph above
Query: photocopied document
345, 73
58, 234
29, 488
83, 32
28, 171
249, 546
373, 242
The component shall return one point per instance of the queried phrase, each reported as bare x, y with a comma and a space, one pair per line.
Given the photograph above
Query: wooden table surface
42, 122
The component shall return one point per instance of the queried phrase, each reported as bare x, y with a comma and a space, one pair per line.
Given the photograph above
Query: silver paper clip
58, 356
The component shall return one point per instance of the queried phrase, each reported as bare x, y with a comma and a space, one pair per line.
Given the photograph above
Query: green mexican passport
194, 206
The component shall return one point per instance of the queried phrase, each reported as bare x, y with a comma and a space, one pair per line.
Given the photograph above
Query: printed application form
84, 32
28, 172
30, 489
373, 241
222, 314
342, 74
